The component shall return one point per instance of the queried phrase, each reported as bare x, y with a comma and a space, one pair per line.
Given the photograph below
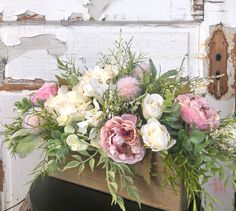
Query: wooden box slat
152, 195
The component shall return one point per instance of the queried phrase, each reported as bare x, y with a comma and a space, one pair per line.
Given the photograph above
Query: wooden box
152, 195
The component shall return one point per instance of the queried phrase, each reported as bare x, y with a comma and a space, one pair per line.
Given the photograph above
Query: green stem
84, 161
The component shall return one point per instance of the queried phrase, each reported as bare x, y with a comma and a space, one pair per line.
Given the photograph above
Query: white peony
152, 106
156, 136
75, 144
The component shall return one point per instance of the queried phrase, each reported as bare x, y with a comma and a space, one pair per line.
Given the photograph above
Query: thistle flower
128, 87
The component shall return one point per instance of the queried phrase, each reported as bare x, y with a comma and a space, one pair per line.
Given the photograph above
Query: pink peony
140, 68
120, 140
195, 110
128, 87
47, 90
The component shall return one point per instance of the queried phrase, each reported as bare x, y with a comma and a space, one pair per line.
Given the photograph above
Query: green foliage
68, 73
153, 69
24, 105
119, 172
193, 160
143, 168
122, 57
26, 145
81, 160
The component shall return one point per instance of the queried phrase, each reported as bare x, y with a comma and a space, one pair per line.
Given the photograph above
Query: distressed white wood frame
105, 10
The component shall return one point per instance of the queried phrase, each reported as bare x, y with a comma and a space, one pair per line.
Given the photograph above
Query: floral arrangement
116, 116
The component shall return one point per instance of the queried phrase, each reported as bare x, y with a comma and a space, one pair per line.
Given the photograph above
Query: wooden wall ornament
218, 57
233, 54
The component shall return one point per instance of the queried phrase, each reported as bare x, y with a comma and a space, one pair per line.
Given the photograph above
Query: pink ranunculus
120, 140
47, 90
195, 110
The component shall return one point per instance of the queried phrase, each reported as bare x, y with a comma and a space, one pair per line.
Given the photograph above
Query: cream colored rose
152, 106
75, 144
156, 136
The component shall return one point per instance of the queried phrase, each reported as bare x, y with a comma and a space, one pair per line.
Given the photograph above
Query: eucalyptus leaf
20, 133
26, 145
197, 137
56, 134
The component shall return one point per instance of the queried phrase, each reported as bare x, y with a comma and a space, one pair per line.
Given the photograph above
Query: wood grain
153, 195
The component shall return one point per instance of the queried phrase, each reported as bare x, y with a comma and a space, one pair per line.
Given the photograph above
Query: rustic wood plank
152, 195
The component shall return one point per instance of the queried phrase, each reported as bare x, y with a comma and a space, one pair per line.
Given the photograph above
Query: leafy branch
68, 73
125, 179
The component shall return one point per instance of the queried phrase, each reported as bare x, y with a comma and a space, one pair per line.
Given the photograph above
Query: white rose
75, 144
152, 106
156, 136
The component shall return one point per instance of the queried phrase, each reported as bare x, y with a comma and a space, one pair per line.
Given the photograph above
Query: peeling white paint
166, 45
31, 65
15, 188
148, 10
53, 10
113, 10
11, 36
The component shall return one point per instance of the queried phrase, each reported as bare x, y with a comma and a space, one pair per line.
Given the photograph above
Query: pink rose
33, 121
195, 110
120, 140
47, 90
140, 68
